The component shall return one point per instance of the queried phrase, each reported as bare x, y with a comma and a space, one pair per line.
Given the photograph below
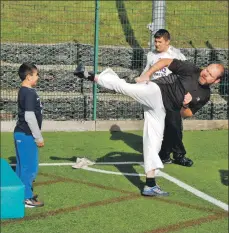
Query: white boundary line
181, 184
99, 163
49, 164
95, 169
195, 191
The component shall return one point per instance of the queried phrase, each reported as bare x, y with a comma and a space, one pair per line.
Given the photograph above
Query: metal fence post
158, 12
96, 49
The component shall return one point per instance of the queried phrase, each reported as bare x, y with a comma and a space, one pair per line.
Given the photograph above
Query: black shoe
182, 160
167, 161
80, 69
82, 73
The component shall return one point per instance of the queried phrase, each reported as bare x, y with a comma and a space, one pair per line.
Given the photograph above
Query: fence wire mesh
58, 35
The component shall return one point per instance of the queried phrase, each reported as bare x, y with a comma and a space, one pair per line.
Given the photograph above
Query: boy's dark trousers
27, 160
172, 141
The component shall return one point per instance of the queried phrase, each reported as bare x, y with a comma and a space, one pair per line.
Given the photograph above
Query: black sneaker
183, 161
33, 202
167, 161
82, 73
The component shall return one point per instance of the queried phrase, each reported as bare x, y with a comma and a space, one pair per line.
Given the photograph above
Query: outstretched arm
154, 68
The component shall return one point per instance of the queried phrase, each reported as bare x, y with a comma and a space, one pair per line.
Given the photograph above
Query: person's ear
28, 77
217, 81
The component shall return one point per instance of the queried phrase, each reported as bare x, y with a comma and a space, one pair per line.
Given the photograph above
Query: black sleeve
197, 106
182, 68
30, 101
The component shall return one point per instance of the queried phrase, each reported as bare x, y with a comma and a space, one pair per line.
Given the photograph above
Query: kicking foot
82, 73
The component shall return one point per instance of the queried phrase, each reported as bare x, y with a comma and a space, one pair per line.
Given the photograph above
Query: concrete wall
114, 125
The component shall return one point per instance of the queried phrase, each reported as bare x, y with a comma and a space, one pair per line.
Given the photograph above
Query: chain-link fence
58, 35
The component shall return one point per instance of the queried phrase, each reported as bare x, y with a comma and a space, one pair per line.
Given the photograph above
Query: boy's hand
40, 144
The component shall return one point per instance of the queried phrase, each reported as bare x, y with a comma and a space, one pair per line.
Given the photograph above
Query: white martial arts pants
149, 95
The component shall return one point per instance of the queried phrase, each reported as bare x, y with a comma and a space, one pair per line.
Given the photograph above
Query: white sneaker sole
29, 206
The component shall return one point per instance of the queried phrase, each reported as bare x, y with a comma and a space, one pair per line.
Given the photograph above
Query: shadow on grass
117, 156
130, 139
133, 141
12, 160
224, 177
71, 159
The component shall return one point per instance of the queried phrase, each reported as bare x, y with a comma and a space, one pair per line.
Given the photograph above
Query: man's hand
142, 78
187, 99
40, 144
185, 111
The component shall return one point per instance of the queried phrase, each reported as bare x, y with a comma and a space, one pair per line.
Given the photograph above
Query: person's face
209, 75
33, 78
161, 45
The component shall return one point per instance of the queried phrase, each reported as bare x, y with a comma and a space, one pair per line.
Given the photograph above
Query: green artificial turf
78, 200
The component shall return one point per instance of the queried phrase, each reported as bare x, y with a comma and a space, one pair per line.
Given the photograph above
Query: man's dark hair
162, 33
25, 69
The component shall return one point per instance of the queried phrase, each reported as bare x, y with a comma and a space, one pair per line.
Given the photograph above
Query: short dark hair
25, 69
162, 33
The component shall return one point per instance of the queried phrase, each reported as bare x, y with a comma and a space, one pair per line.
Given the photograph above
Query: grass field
121, 22
78, 200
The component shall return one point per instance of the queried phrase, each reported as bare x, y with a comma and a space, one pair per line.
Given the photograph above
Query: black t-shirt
28, 100
183, 79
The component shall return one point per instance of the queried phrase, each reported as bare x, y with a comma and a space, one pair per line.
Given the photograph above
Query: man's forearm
164, 62
145, 76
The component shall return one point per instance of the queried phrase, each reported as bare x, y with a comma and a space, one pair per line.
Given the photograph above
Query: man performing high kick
169, 93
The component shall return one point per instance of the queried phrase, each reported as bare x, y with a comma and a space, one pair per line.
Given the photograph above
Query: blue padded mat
12, 193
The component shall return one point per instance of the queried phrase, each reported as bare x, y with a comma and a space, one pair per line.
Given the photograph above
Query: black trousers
172, 141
